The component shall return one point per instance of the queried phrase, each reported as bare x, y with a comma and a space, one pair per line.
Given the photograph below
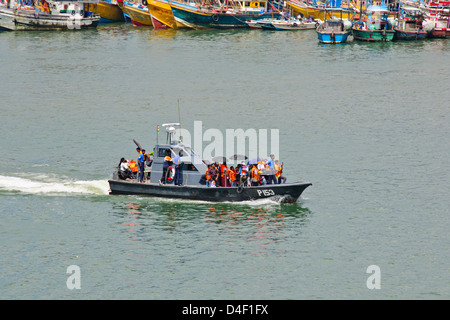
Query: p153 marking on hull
266, 193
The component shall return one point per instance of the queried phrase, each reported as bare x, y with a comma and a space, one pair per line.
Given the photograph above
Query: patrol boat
194, 182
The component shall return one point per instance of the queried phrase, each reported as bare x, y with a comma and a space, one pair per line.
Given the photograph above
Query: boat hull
139, 15
30, 20
317, 13
278, 192
373, 35
325, 37
189, 16
161, 14
294, 26
440, 33
109, 12
409, 35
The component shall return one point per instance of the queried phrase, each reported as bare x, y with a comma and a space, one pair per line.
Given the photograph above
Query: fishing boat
258, 24
194, 183
408, 25
316, 9
48, 15
108, 10
138, 13
374, 25
294, 24
161, 14
438, 19
221, 14
334, 30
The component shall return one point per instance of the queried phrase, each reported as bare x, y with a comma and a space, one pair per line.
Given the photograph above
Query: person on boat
141, 163
133, 167
148, 160
124, 170
214, 173
166, 164
223, 174
279, 172
208, 176
178, 179
243, 173
255, 176
232, 176
271, 177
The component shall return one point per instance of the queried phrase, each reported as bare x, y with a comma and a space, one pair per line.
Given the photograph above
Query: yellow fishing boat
161, 14
317, 11
138, 13
108, 10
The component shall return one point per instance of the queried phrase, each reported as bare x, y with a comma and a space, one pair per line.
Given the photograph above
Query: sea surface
366, 123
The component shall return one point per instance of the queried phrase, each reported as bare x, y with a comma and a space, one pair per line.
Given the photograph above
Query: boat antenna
179, 119
157, 134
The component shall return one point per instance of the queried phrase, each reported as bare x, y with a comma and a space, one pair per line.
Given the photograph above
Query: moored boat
138, 13
193, 178
374, 25
216, 14
161, 14
294, 24
317, 10
408, 25
48, 15
108, 10
438, 21
259, 24
332, 31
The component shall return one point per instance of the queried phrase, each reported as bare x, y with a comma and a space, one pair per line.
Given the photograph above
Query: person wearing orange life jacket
167, 163
133, 167
208, 177
279, 172
232, 176
255, 176
223, 173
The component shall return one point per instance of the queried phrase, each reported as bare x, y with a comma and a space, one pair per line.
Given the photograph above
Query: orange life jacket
223, 170
133, 166
208, 175
255, 174
232, 175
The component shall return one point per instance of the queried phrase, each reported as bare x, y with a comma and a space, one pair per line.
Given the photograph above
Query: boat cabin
193, 169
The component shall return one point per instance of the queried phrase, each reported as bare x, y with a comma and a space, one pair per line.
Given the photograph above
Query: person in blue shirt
141, 163
178, 179
271, 163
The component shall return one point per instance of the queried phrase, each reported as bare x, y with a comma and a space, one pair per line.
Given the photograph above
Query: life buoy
170, 174
215, 17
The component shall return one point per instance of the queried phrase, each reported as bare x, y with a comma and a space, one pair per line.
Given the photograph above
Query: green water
366, 123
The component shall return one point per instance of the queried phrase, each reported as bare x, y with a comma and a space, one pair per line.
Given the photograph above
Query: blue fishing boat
334, 30
218, 14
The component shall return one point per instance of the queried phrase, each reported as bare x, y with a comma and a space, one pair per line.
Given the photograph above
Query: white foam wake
52, 186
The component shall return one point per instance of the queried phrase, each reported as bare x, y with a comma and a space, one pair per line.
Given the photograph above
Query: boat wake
47, 185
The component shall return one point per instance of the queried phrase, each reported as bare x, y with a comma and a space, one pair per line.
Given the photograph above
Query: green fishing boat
374, 25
